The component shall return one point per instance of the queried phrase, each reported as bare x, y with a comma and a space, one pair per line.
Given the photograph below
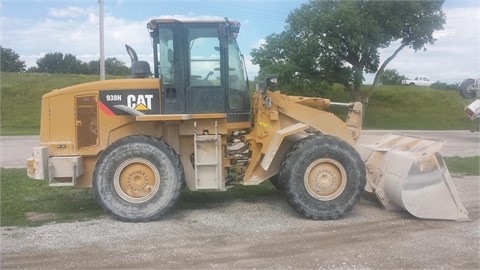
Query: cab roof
152, 24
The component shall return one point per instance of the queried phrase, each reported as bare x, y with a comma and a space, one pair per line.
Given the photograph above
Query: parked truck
139, 141
420, 81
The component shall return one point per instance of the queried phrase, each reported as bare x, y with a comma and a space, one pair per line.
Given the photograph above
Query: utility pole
102, 48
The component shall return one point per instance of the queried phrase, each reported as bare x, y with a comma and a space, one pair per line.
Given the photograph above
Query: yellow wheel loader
139, 141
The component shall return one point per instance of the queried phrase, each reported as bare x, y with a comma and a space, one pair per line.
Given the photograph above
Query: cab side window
204, 57
166, 63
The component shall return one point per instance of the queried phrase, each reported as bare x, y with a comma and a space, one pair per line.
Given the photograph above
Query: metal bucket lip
433, 197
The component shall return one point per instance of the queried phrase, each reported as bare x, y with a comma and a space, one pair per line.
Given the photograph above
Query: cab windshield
237, 76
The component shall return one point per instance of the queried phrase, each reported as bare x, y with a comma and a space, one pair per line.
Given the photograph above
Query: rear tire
138, 178
324, 177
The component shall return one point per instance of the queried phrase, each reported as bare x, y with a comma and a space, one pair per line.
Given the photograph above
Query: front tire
277, 182
138, 178
324, 177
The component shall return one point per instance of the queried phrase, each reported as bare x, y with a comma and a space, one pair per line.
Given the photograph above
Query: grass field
412, 108
26, 202
21, 94
390, 107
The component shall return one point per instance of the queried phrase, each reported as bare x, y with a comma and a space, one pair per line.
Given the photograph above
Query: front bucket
407, 172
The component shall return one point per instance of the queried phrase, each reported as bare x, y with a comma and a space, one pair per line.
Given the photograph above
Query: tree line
68, 64
57, 62
324, 42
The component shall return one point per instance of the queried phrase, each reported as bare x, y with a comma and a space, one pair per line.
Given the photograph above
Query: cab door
171, 62
205, 78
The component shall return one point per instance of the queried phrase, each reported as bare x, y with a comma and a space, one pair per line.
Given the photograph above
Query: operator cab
200, 67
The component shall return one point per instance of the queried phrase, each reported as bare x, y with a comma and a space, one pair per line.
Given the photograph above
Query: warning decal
146, 101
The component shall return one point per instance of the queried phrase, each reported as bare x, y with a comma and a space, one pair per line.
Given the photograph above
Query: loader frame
139, 141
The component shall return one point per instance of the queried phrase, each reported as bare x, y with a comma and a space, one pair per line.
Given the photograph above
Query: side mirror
271, 81
131, 52
140, 69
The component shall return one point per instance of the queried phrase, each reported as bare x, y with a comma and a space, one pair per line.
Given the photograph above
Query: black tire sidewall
464, 91
277, 182
163, 159
302, 155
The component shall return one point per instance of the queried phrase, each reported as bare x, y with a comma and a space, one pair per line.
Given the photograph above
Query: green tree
336, 41
113, 66
32, 69
73, 66
58, 63
10, 61
50, 63
391, 77
445, 86
94, 67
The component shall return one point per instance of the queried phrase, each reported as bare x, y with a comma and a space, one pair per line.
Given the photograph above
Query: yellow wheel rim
325, 179
136, 180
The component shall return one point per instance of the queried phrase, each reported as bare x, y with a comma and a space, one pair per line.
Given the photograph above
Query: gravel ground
263, 233
259, 233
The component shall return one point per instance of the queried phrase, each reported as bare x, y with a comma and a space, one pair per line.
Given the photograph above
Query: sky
33, 28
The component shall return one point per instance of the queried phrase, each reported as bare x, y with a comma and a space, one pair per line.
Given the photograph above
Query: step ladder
208, 160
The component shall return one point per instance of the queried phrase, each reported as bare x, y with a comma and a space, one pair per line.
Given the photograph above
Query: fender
277, 140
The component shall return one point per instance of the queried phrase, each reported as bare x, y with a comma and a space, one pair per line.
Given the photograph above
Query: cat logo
146, 101
140, 102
